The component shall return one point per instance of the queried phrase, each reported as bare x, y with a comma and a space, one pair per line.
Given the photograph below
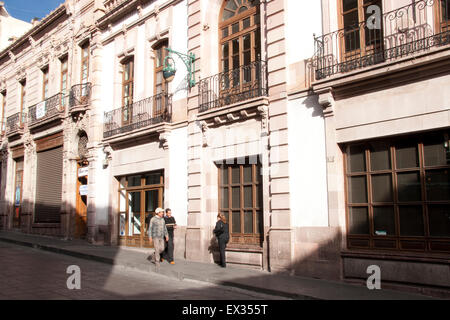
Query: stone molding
326, 100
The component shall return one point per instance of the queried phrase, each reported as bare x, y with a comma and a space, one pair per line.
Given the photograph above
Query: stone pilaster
280, 233
29, 183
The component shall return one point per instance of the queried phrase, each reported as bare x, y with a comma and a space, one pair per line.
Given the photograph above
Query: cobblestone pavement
27, 273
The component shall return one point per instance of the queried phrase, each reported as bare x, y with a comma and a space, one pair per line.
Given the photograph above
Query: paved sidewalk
261, 281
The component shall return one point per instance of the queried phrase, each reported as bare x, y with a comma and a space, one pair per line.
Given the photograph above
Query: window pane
227, 216
358, 221
258, 174
357, 189
258, 223
407, 156
434, 151
246, 23
122, 201
235, 174
224, 197
153, 178
151, 200
438, 185
134, 202
248, 222
235, 28
134, 181
411, 221
356, 160
382, 188
227, 14
439, 216
247, 42
225, 32
236, 224
248, 174
225, 50
384, 221
409, 187
248, 201
380, 158
235, 47
349, 4
236, 200
246, 62
258, 196
224, 179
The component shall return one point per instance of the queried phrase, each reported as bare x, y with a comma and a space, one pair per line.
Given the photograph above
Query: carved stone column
4, 174
29, 183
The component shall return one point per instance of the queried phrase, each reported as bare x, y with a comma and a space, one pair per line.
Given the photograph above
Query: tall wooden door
18, 192
81, 203
141, 208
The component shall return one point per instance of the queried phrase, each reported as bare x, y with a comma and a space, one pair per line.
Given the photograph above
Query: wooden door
81, 204
153, 198
18, 190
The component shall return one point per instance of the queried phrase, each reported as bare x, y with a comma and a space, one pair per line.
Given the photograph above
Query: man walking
157, 232
171, 224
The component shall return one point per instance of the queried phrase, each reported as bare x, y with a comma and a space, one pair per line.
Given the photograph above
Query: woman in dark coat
223, 236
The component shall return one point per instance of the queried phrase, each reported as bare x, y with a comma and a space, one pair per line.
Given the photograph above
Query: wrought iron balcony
413, 28
48, 109
80, 96
240, 84
15, 123
141, 114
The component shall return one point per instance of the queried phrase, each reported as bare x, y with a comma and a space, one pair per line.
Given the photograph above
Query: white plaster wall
142, 158
178, 42
236, 140
407, 108
108, 77
303, 19
307, 163
140, 58
102, 185
178, 163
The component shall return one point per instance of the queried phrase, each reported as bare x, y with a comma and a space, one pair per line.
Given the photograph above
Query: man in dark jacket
223, 236
171, 224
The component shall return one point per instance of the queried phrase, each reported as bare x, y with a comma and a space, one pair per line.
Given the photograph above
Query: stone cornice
127, 6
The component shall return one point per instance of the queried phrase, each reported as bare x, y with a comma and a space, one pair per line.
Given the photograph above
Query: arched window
240, 43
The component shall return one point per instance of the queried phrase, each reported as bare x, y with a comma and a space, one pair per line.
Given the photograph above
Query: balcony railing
240, 84
47, 109
15, 122
80, 95
141, 114
413, 28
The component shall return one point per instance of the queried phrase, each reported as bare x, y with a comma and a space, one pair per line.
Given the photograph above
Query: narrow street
28, 273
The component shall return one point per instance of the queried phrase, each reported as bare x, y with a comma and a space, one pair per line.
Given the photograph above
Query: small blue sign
17, 197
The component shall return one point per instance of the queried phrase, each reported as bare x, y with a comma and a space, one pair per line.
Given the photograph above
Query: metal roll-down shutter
49, 185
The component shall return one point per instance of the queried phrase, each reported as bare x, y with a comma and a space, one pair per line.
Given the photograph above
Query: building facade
381, 73
327, 153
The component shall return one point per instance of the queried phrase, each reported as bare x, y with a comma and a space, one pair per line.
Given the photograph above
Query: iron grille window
398, 193
240, 200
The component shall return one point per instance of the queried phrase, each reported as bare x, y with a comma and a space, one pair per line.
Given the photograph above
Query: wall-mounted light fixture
169, 68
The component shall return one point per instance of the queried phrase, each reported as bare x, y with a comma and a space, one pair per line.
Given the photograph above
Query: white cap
158, 210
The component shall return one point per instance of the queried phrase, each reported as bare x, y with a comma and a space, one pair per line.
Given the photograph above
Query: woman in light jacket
223, 236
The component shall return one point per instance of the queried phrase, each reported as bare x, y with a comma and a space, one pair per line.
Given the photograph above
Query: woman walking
223, 236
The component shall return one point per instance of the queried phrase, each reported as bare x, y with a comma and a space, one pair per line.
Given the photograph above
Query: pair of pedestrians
161, 233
